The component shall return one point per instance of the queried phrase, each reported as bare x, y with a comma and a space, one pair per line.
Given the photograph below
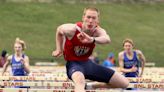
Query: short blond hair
19, 41
92, 9
129, 41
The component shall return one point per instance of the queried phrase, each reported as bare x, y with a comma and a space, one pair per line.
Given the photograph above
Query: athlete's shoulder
138, 51
67, 26
120, 54
9, 57
26, 57
100, 29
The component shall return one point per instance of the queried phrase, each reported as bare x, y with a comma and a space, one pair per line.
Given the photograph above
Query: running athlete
76, 42
129, 60
19, 61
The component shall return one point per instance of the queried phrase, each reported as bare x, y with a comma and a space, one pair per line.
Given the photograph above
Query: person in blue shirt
130, 60
19, 61
109, 61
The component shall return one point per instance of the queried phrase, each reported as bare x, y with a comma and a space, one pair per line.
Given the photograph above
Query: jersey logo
81, 50
17, 66
130, 63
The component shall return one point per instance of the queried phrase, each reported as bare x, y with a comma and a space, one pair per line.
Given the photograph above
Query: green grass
36, 23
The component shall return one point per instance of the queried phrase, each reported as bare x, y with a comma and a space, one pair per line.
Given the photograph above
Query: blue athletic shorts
91, 70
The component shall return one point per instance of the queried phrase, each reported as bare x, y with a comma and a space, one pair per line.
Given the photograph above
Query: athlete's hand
85, 38
134, 69
140, 75
57, 53
22, 60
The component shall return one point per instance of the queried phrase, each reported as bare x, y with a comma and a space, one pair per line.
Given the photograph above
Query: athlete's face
90, 19
18, 48
128, 47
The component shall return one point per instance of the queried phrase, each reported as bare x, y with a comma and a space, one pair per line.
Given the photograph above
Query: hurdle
52, 90
145, 80
53, 71
70, 85
50, 78
66, 90
34, 78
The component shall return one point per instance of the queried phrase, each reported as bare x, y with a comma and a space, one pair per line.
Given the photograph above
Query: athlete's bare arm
26, 64
65, 30
142, 60
101, 36
5, 66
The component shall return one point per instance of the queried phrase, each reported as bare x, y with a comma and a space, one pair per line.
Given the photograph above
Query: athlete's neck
88, 31
129, 53
18, 54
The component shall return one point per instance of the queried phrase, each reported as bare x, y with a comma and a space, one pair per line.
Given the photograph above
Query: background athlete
19, 61
130, 60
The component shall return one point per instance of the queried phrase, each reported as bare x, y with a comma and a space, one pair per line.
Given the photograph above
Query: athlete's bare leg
79, 80
117, 81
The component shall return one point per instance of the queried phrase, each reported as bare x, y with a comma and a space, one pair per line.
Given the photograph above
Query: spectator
109, 61
3, 57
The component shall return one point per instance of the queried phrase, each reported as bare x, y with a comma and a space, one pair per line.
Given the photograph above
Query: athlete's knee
78, 78
125, 84
119, 81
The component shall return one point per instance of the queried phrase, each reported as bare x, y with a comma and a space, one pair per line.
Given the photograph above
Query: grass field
36, 23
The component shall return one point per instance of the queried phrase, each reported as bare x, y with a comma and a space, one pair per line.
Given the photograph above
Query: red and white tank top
74, 50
